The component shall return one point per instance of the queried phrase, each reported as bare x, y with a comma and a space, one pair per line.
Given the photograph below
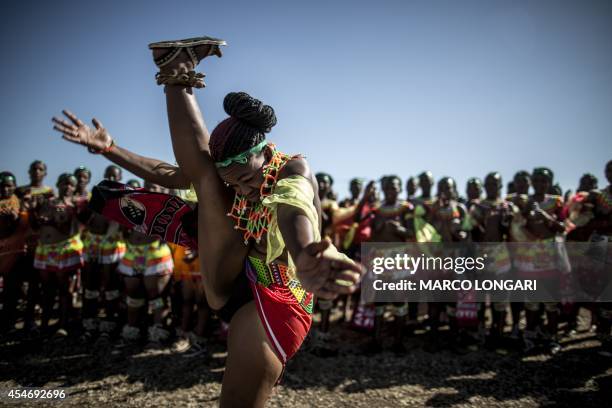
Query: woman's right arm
153, 170
98, 140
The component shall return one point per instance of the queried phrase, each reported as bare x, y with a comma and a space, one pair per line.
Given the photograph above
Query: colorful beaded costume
254, 220
251, 218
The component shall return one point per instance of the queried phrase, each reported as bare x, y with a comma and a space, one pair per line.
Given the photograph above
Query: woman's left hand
324, 273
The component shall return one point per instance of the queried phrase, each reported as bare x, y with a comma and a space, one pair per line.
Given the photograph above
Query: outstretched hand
96, 139
324, 273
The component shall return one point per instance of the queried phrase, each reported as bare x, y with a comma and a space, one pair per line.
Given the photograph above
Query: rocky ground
136, 377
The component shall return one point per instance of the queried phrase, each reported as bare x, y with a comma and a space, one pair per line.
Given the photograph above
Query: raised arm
98, 140
153, 170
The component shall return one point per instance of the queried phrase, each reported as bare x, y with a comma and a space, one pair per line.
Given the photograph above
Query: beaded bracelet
103, 151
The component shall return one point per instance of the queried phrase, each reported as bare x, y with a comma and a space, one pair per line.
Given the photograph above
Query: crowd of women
58, 252
526, 230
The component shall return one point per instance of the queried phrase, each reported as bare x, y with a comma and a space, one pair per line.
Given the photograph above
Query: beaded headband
66, 177
7, 178
543, 171
243, 157
82, 169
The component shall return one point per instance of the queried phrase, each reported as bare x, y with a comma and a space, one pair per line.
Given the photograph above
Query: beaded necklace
253, 218
498, 203
550, 203
393, 211
447, 213
427, 202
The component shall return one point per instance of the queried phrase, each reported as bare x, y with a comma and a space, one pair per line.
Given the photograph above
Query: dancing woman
264, 261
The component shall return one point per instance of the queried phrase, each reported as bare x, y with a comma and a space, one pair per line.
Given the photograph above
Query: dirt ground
136, 377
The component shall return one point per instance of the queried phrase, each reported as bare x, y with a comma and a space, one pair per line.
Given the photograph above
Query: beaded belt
280, 274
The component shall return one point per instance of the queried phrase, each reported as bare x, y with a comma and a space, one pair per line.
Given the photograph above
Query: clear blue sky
362, 88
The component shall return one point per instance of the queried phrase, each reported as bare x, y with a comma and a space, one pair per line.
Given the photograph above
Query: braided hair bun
251, 111
246, 127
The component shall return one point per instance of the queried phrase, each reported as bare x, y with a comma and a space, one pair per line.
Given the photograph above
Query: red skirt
284, 319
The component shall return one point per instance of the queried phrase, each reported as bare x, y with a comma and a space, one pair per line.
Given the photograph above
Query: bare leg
74, 282
190, 144
48, 290
516, 308
134, 290
155, 285
187, 309
65, 297
176, 301
12, 287
379, 320
33, 295
400, 311
255, 357
203, 309
91, 284
110, 284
